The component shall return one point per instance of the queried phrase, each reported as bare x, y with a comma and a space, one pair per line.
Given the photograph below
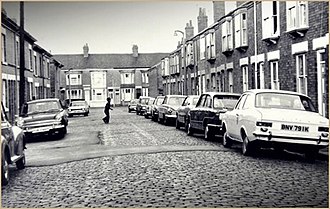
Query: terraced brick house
256, 45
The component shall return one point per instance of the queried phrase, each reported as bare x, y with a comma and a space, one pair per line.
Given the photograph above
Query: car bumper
44, 129
267, 137
77, 112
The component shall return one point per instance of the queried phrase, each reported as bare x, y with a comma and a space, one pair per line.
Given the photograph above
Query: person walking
107, 109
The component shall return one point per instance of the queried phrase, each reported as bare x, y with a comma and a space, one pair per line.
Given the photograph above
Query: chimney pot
86, 49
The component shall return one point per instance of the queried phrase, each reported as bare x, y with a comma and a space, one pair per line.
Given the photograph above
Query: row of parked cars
259, 118
42, 117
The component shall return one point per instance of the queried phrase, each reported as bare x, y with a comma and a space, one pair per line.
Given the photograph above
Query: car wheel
190, 131
226, 142
62, 132
208, 133
20, 164
159, 119
186, 125
137, 113
247, 148
177, 123
4, 170
86, 114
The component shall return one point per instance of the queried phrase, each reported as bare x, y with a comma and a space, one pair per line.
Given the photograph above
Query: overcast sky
108, 27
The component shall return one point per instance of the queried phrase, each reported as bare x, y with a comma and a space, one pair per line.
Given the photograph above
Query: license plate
294, 128
37, 130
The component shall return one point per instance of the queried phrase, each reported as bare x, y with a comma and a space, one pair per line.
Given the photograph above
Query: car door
195, 112
246, 118
232, 118
182, 110
6, 130
206, 112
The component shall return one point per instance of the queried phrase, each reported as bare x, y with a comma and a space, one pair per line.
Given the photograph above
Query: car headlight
58, 117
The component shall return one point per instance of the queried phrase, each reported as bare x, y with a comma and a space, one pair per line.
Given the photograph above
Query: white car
277, 119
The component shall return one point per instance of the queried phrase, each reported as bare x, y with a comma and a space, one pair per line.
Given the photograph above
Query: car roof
43, 100
221, 93
256, 91
174, 95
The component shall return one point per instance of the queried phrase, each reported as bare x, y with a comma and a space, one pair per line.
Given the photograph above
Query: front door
321, 76
87, 96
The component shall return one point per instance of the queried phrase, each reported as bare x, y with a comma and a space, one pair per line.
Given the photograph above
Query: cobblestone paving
223, 178
184, 179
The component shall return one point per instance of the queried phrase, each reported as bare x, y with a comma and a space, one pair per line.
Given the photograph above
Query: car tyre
4, 170
208, 135
226, 142
311, 154
62, 132
247, 147
190, 130
177, 123
86, 114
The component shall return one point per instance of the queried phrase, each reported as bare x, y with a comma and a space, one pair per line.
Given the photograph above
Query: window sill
228, 52
242, 48
298, 32
271, 39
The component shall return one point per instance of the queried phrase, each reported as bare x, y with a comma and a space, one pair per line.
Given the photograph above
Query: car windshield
194, 101
284, 101
144, 100
225, 102
133, 101
42, 107
74, 104
175, 100
160, 101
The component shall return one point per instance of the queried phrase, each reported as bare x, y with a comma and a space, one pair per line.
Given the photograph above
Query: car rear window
284, 101
175, 100
225, 101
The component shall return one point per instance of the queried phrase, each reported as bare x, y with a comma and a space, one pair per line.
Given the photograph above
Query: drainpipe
255, 44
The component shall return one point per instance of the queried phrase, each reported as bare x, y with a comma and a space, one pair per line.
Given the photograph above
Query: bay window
270, 19
241, 29
227, 37
210, 45
297, 14
202, 47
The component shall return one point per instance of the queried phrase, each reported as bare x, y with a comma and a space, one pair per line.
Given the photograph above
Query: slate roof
106, 61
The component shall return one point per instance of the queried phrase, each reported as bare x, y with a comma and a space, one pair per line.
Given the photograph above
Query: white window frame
210, 45
189, 54
297, 14
227, 35
75, 79
241, 29
245, 75
30, 57
4, 48
273, 66
301, 78
270, 19
202, 47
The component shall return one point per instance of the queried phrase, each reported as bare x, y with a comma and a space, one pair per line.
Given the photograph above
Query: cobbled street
135, 162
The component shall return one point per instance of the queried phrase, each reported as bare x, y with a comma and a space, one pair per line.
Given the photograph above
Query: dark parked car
43, 116
205, 116
141, 105
147, 113
132, 105
154, 108
78, 108
167, 110
12, 147
182, 113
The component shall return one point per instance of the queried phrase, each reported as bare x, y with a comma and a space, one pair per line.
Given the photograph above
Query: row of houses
40, 70
263, 45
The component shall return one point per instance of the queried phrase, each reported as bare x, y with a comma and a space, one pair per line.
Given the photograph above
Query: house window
76, 94
17, 51
245, 73
230, 81
177, 63
275, 84
75, 79
227, 37
301, 74
297, 14
30, 58
35, 64
240, 30
4, 48
210, 45
202, 48
189, 54
259, 76
270, 19
127, 91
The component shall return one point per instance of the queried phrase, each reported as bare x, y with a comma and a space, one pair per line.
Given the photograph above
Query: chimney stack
135, 51
202, 19
189, 30
218, 10
86, 49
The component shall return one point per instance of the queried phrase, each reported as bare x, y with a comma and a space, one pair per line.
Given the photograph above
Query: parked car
167, 110
277, 119
182, 113
78, 108
205, 116
154, 108
147, 113
141, 105
43, 116
132, 105
12, 147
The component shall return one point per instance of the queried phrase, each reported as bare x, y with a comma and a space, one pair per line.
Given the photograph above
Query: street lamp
184, 59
